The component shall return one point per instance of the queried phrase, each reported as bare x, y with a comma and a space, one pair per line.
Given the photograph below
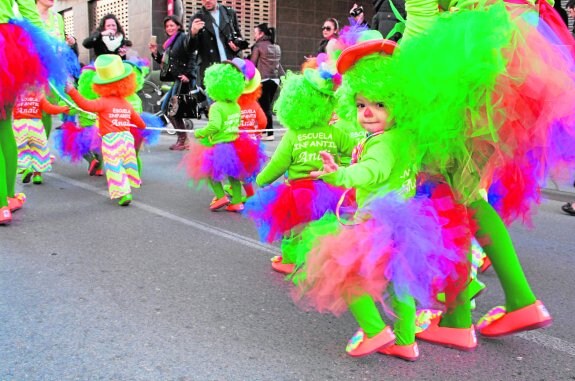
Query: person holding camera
215, 34
356, 12
178, 65
108, 38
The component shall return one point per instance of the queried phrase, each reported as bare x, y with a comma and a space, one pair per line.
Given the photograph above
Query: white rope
63, 97
247, 131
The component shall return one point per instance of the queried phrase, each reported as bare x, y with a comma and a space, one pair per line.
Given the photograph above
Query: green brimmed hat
110, 68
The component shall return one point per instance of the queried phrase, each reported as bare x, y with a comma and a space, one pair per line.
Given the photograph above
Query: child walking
113, 82
33, 152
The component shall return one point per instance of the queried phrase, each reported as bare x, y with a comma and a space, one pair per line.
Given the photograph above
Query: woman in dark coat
108, 38
179, 66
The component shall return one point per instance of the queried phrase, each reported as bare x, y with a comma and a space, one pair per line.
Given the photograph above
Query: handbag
184, 105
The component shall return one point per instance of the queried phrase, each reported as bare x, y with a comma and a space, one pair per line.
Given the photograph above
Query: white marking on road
549, 341
249, 242
536, 337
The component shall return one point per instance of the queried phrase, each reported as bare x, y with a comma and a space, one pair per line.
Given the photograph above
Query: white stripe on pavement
249, 242
537, 337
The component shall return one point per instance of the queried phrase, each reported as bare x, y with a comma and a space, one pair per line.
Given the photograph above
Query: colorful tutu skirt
279, 208
418, 246
252, 155
17, 48
73, 142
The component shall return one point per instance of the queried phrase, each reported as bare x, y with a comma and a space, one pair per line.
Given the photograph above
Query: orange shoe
99, 172
463, 339
235, 207
5, 215
409, 352
486, 264
15, 203
360, 345
524, 319
284, 268
218, 203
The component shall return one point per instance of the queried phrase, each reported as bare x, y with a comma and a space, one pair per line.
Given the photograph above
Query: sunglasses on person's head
328, 28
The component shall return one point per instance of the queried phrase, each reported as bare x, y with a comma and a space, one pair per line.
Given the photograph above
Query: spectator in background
108, 38
179, 66
330, 31
266, 56
215, 34
386, 18
356, 12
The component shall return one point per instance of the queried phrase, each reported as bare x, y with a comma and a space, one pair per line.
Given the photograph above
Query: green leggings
218, 189
8, 159
496, 242
365, 312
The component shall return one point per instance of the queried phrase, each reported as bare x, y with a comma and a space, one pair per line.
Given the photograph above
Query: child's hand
69, 86
329, 165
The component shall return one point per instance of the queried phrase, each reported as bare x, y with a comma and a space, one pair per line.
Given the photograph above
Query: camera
356, 11
239, 42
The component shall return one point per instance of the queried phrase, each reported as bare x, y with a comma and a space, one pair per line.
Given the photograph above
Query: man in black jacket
215, 34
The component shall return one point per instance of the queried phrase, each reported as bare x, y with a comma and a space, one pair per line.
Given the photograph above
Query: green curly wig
224, 82
301, 106
371, 77
85, 82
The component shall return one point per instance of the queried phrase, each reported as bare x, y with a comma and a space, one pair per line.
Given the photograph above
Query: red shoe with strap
527, 318
360, 345
409, 352
218, 203
235, 207
5, 215
463, 339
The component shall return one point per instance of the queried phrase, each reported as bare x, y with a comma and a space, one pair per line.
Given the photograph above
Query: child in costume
397, 247
253, 118
21, 43
33, 152
216, 157
499, 130
113, 82
280, 211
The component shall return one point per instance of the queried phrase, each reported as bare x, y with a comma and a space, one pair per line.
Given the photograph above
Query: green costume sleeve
27, 9
373, 169
421, 14
345, 144
215, 123
279, 163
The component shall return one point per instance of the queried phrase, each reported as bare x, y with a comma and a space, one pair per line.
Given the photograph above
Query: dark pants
269, 89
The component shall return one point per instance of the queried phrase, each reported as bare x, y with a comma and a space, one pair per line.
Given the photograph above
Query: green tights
236, 185
8, 159
367, 315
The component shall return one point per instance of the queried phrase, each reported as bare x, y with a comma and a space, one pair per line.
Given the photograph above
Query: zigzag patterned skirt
32, 144
120, 163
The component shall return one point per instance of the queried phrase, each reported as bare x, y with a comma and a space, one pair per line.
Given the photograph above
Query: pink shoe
463, 339
527, 318
235, 207
218, 203
5, 215
15, 203
409, 352
360, 345
284, 268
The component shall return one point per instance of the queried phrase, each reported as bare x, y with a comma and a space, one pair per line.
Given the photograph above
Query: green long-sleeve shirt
383, 166
27, 9
223, 124
298, 152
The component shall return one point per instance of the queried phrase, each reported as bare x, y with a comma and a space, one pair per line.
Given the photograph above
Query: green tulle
444, 81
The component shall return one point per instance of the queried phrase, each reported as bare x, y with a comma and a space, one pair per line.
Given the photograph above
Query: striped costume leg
131, 162
114, 146
38, 143
20, 127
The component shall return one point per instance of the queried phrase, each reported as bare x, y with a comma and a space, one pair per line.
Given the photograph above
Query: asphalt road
167, 290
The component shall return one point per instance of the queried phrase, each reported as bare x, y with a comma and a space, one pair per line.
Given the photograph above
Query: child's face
371, 115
